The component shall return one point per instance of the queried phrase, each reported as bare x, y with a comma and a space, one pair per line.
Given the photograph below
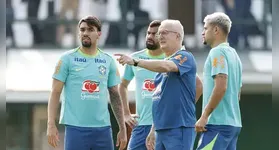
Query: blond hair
220, 19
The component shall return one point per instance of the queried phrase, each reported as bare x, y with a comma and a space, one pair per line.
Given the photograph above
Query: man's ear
178, 36
99, 34
216, 28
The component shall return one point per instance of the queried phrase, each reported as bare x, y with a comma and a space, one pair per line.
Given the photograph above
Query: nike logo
78, 69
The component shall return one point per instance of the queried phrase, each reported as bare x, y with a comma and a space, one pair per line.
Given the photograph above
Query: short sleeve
114, 76
218, 62
128, 73
61, 69
183, 62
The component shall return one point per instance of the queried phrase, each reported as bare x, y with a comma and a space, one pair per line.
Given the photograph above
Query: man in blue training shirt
173, 107
141, 122
88, 76
220, 122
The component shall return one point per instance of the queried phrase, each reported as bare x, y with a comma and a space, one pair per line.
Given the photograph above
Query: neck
89, 50
156, 52
172, 50
217, 42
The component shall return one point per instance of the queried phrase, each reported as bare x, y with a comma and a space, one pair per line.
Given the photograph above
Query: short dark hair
91, 21
155, 23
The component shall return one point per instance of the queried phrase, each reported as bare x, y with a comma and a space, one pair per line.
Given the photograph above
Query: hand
131, 120
124, 59
53, 135
200, 124
121, 139
150, 141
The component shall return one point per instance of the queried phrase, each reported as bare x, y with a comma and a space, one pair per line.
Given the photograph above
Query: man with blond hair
220, 122
173, 108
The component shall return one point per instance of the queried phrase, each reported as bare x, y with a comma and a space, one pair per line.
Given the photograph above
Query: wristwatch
135, 62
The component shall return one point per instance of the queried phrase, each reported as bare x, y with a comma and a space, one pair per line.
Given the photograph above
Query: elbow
168, 68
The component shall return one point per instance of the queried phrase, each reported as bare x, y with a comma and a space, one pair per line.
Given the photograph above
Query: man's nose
86, 33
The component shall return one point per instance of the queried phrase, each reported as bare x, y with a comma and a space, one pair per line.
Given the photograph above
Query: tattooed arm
218, 93
117, 106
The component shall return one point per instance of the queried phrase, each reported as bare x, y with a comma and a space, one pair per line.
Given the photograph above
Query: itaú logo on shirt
80, 59
148, 85
90, 86
97, 60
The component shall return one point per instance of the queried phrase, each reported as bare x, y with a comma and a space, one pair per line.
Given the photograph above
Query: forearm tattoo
116, 105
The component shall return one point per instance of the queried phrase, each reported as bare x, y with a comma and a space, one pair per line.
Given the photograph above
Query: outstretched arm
152, 65
158, 65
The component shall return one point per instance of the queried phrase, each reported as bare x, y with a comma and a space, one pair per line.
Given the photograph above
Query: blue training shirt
174, 97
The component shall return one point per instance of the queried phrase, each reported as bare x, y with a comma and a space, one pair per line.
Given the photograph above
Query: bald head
171, 34
175, 26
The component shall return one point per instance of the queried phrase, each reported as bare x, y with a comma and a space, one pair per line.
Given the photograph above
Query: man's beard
152, 46
87, 45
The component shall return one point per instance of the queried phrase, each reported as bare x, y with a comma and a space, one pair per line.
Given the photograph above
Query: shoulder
106, 55
107, 59
68, 54
218, 51
183, 53
221, 49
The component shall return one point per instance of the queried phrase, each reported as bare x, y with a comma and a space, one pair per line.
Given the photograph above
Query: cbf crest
102, 70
